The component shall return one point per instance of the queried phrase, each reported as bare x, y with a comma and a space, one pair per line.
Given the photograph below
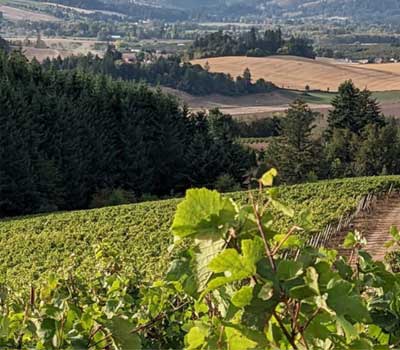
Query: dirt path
375, 226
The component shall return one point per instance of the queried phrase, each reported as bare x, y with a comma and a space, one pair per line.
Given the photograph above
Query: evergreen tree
378, 152
339, 153
66, 136
294, 152
4, 44
353, 110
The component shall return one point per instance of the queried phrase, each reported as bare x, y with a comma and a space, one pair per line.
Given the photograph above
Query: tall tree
294, 152
353, 109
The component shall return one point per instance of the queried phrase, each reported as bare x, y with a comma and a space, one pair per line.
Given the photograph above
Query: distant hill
145, 9
366, 10
370, 10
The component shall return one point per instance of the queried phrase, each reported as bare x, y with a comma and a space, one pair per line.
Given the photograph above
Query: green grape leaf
196, 337
237, 340
267, 291
294, 241
205, 251
202, 212
345, 302
243, 296
311, 279
350, 241
238, 266
230, 262
348, 329
364, 344
121, 330
268, 178
318, 329
288, 269
47, 329
282, 208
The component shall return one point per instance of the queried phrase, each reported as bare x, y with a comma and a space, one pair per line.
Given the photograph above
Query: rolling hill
359, 9
296, 73
37, 245
172, 10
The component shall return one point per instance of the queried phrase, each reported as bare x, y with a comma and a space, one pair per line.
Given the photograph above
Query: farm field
37, 245
16, 14
291, 72
58, 46
267, 104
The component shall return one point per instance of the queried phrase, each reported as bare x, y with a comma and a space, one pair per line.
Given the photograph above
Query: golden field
291, 72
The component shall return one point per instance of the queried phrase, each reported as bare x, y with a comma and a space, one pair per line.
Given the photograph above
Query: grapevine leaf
259, 311
202, 212
267, 291
181, 270
121, 331
288, 269
243, 296
345, 302
364, 344
318, 327
256, 336
232, 264
312, 279
237, 340
47, 329
268, 178
196, 337
238, 266
205, 251
348, 329
350, 241
294, 241
282, 208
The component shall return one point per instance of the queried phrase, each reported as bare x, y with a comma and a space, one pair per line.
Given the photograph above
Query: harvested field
59, 47
15, 14
268, 104
296, 72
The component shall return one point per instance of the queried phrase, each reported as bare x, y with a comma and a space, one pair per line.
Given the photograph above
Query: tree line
251, 43
65, 136
358, 141
168, 71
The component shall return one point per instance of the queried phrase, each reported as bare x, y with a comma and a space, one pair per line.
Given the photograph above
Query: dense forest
67, 136
168, 71
252, 43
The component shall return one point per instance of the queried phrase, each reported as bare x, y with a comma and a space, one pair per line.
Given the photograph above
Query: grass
36, 245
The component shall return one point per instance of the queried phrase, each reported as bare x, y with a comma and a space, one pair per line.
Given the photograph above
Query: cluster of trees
67, 135
167, 71
252, 43
359, 140
4, 44
258, 128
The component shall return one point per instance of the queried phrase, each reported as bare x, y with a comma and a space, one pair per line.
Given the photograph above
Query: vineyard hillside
33, 246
